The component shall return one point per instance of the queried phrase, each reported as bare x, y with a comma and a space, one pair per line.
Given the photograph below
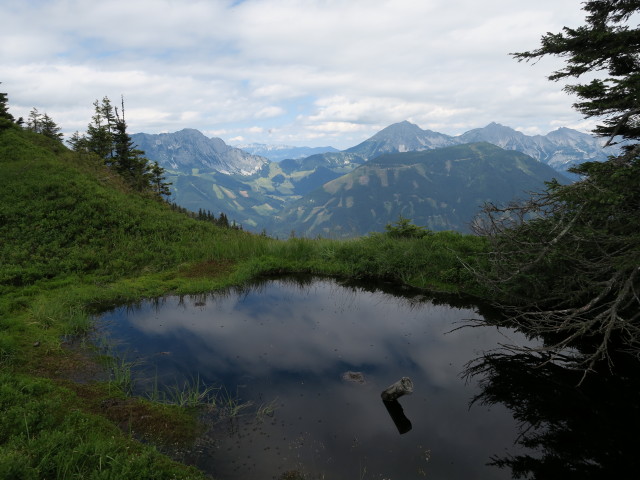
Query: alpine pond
299, 365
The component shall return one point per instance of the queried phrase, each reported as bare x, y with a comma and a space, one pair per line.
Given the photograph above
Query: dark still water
321, 352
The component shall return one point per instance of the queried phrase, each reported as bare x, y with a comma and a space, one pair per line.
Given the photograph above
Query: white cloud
307, 71
269, 112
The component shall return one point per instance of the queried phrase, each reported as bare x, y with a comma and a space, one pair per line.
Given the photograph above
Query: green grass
191, 394
434, 261
75, 241
44, 434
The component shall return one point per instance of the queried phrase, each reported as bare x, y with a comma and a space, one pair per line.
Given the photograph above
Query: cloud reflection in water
293, 342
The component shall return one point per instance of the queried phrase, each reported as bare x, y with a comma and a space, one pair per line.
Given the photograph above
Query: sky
293, 72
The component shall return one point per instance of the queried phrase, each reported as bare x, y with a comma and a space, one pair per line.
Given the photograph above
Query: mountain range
291, 194
442, 189
560, 149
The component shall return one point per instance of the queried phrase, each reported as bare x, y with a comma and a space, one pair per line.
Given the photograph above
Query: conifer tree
4, 108
50, 129
128, 160
565, 265
34, 120
78, 142
223, 221
100, 131
158, 184
42, 123
607, 45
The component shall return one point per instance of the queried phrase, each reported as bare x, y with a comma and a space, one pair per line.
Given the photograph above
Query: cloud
269, 112
298, 68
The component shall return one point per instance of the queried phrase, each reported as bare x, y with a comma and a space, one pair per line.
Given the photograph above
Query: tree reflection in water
579, 430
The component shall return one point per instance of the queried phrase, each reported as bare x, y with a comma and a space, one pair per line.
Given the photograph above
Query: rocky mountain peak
190, 149
494, 133
400, 137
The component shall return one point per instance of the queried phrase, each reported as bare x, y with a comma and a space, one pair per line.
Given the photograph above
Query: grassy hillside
67, 215
74, 240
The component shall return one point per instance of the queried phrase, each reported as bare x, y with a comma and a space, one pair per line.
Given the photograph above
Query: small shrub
403, 228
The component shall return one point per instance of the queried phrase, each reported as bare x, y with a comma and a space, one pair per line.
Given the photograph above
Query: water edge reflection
578, 430
289, 343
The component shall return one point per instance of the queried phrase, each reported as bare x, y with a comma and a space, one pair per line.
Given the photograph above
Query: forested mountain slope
441, 189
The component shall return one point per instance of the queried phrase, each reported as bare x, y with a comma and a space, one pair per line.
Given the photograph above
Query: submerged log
401, 387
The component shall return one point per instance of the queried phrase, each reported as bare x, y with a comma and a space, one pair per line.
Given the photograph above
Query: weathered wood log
402, 387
